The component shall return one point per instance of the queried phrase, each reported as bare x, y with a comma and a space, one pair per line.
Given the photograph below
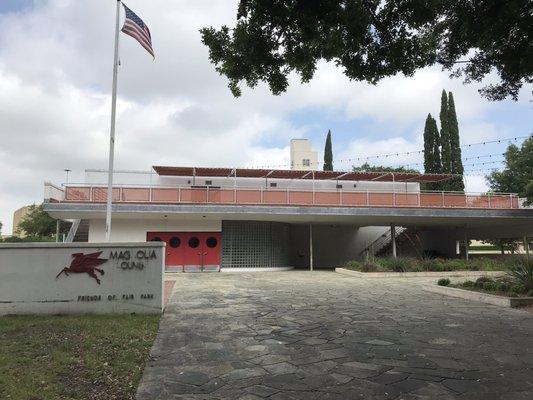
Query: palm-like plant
522, 272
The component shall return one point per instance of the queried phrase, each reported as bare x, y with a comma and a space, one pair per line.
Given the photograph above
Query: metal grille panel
255, 244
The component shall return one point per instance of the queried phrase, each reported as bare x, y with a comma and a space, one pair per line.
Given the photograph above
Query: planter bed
421, 274
475, 295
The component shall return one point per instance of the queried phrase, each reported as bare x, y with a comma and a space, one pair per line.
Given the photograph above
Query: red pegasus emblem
85, 263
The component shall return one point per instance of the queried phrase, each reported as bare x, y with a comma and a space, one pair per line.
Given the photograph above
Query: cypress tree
432, 164
428, 146
456, 164
437, 163
445, 134
328, 154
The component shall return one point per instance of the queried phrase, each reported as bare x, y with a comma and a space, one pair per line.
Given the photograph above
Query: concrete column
310, 247
57, 231
526, 246
466, 243
393, 239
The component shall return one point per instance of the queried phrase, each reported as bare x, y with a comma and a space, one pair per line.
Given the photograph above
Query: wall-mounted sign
93, 277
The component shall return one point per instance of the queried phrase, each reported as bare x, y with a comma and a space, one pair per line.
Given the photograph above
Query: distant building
18, 216
303, 157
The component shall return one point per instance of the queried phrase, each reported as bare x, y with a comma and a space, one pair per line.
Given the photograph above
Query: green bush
468, 284
404, 264
353, 265
400, 264
522, 272
443, 282
518, 288
490, 286
369, 267
480, 282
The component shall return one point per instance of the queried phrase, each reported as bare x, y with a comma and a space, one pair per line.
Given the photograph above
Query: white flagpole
112, 132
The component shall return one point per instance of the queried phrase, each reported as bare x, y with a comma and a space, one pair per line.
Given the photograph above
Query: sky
56, 61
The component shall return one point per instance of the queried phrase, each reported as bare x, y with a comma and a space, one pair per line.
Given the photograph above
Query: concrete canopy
481, 223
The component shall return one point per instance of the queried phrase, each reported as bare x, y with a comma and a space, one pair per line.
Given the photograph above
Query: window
194, 242
339, 186
306, 162
273, 184
211, 242
208, 183
174, 242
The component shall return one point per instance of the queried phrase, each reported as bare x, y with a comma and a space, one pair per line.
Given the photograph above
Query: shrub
353, 265
468, 284
481, 281
369, 267
400, 264
443, 282
522, 272
434, 265
529, 293
518, 288
490, 286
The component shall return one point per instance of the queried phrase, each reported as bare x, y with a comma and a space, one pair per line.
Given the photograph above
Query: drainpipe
393, 239
310, 247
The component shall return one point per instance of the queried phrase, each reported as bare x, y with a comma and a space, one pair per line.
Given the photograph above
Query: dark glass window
194, 242
156, 239
175, 241
211, 242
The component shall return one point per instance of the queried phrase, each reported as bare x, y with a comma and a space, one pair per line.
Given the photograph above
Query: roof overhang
300, 174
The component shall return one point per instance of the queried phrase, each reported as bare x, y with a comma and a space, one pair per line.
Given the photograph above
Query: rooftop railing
287, 197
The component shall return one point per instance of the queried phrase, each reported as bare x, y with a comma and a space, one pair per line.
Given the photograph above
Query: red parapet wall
289, 197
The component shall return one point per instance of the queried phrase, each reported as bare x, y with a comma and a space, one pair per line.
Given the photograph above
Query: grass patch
402, 264
93, 357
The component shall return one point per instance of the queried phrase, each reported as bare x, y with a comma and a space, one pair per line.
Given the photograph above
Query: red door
190, 251
174, 257
211, 251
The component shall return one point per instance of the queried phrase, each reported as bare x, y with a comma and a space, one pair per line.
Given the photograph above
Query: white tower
302, 155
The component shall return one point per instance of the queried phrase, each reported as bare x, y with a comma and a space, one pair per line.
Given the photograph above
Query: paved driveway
321, 335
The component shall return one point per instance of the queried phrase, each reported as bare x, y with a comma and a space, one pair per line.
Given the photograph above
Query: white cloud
55, 78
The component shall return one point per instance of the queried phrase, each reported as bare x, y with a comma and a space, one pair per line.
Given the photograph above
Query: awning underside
297, 174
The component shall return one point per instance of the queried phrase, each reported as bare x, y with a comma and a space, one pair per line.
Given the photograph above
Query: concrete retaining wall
130, 278
480, 297
424, 274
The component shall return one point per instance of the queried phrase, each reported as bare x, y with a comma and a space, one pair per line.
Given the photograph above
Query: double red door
190, 251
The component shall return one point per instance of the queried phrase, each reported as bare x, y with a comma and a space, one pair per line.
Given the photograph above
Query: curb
495, 300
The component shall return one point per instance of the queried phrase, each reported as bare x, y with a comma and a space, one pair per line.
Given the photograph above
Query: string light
413, 152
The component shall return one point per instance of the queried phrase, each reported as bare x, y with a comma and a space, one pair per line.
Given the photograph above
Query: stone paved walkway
321, 335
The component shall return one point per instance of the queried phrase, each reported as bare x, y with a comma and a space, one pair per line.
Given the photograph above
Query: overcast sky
55, 81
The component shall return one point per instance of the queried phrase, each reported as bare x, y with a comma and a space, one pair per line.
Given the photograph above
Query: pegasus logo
85, 263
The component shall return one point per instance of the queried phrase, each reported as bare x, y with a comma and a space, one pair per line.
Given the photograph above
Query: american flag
136, 28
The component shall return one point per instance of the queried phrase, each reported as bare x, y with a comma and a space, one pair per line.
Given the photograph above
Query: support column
57, 231
526, 246
310, 247
466, 243
393, 239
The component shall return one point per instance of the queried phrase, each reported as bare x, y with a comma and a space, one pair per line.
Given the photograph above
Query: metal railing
87, 193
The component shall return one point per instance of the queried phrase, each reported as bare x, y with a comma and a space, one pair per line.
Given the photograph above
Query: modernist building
228, 218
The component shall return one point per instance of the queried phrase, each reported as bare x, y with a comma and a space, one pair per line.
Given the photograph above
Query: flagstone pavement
322, 335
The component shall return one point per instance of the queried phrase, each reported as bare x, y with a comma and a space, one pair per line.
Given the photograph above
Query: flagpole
112, 132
